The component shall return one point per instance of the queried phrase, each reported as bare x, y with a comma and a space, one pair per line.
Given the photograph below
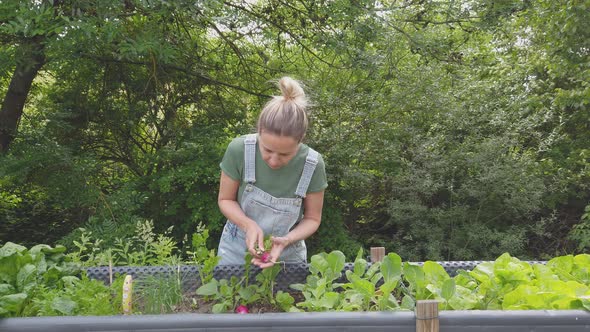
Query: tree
435, 118
24, 27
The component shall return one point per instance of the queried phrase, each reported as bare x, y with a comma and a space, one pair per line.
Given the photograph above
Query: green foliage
332, 234
504, 284
227, 295
39, 281
447, 206
158, 294
371, 288
180, 191
543, 104
114, 217
46, 187
580, 233
26, 20
320, 287
265, 283
510, 284
450, 129
143, 248
78, 297
202, 256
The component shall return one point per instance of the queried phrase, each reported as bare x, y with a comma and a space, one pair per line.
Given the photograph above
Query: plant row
47, 281
506, 283
51, 281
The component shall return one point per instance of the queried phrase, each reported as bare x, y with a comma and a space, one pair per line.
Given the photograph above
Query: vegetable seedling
265, 254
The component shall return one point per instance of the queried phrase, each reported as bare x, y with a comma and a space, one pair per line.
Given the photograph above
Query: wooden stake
377, 254
110, 272
127, 293
427, 316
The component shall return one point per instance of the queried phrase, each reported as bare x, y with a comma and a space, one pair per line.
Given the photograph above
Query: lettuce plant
372, 287
39, 281
320, 289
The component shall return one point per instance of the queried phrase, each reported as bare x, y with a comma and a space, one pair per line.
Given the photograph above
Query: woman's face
277, 150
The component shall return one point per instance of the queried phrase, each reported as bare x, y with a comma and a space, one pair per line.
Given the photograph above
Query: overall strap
250, 158
310, 163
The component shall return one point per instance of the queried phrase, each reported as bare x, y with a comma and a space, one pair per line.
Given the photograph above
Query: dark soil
196, 304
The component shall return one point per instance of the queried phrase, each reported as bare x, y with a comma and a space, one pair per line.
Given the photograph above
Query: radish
265, 255
242, 309
265, 258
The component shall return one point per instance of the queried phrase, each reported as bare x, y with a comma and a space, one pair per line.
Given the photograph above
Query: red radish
242, 309
265, 257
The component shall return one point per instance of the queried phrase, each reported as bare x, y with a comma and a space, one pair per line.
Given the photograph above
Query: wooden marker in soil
127, 292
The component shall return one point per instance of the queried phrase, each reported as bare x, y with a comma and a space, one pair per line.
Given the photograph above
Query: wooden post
110, 272
377, 254
127, 294
427, 316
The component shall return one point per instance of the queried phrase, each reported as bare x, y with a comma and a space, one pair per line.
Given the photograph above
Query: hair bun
291, 89
285, 115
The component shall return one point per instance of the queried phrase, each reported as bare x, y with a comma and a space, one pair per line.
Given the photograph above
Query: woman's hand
279, 243
254, 238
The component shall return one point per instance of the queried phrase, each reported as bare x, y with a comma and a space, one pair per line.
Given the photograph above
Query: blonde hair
285, 115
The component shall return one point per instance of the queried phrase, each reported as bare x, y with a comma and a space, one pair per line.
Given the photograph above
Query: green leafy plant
144, 248
580, 233
76, 297
509, 284
391, 272
265, 280
88, 250
506, 283
367, 289
206, 259
285, 301
320, 287
39, 281
240, 292
228, 294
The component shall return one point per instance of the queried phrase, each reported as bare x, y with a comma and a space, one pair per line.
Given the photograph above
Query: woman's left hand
279, 243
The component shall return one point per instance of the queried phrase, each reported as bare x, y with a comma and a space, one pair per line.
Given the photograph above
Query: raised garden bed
457, 321
336, 296
460, 320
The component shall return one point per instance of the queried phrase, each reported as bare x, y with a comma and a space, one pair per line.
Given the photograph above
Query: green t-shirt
280, 183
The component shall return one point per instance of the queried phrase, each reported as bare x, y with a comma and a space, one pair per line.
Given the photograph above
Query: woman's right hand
228, 192
254, 238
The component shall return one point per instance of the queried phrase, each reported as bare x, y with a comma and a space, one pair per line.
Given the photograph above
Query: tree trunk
30, 58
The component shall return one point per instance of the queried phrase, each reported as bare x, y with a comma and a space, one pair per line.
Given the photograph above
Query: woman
272, 185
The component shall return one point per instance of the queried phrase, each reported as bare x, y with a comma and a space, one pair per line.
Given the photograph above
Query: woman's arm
313, 204
228, 204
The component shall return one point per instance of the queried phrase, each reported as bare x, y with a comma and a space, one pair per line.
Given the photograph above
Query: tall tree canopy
450, 129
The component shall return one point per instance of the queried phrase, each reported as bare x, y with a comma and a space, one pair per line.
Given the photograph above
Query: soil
196, 304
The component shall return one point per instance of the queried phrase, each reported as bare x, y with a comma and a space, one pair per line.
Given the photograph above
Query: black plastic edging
290, 274
515, 320
456, 321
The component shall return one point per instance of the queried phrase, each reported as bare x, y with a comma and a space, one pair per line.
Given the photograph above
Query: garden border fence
289, 274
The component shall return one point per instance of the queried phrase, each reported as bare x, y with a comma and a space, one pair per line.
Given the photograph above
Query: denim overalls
276, 216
